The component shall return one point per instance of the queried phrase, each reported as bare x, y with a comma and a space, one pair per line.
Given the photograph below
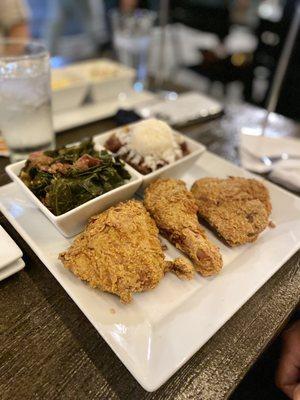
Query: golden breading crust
175, 212
237, 208
120, 252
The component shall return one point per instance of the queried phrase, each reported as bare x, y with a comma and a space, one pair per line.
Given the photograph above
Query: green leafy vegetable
70, 176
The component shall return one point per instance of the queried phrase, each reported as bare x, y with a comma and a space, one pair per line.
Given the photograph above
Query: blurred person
84, 12
14, 15
58, 13
288, 372
128, 5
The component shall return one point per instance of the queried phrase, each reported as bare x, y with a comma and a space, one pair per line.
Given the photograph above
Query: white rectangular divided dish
108, 85
176, 168
161, 329
111, 88
74, 221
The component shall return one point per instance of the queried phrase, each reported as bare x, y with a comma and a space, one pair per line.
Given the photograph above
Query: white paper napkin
184, 108
285, 172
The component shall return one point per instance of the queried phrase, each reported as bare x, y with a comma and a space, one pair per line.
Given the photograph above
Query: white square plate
161, 329
107, 85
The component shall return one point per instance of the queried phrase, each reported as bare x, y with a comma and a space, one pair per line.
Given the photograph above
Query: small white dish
74, 221
111, 80
70, 95
111, 88
9, 251
11, 269
174, 169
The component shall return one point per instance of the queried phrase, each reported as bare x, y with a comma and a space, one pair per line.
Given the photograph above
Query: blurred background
227, 49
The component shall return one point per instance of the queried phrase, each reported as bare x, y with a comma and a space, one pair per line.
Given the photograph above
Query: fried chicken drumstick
120, 252
237, 208
175, 212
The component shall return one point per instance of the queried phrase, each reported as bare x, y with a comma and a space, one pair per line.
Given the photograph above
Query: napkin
285, 172
181, 109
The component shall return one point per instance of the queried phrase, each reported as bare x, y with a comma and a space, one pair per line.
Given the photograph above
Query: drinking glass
25, 98
131, 38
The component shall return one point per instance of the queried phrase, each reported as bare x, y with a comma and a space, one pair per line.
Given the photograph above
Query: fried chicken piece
120, 252
237, 208
174, 210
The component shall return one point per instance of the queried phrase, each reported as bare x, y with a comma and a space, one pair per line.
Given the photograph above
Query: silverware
269, 160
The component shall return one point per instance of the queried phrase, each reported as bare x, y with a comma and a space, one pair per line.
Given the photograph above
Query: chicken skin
237, 208
120, 252
174, 210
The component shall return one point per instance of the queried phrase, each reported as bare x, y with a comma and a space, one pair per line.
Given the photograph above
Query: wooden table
49, 350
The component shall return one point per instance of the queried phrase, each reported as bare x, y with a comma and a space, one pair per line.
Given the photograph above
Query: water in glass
25, 104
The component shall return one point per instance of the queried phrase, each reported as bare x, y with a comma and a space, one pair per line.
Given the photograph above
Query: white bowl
74, 221
71, 95
105, 87
171, 170
110, 89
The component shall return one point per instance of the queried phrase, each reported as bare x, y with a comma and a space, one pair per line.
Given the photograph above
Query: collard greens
65, 178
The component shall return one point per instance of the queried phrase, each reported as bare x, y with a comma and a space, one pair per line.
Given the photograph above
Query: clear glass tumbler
25, 98
131, 37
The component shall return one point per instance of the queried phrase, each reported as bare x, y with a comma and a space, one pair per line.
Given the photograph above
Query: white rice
152, 141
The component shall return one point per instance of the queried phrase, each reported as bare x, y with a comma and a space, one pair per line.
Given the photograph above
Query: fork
269, 160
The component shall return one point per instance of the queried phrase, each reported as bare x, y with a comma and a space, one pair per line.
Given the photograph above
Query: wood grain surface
49, 350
